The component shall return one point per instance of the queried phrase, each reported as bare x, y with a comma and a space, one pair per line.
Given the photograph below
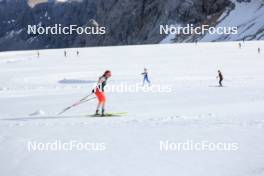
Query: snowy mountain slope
248, 17
194, 110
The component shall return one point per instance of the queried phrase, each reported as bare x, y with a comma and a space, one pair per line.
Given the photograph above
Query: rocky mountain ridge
127, 22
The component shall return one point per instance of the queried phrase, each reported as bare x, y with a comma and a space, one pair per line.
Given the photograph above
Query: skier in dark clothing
240, 45
221, 78
99, 92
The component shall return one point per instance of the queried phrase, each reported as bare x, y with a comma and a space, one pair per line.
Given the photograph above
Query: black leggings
220, 82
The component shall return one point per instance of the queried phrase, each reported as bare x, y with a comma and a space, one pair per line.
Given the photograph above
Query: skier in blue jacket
145, 77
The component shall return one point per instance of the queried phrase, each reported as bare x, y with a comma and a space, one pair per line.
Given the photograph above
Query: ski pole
86, 97
83, 100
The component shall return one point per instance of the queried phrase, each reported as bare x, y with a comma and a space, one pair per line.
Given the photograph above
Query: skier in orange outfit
99, 92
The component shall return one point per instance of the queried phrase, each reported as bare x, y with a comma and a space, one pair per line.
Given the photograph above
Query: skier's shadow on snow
76, 81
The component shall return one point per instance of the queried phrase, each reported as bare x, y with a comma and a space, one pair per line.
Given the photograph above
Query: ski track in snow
177, 120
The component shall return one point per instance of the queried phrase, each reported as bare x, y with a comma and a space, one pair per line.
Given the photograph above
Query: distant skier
38, 53
220, 77
239, 45
259, 50
65, 53
145, 77
77, 53
99, 92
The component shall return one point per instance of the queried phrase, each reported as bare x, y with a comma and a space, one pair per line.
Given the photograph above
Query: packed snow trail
190, 107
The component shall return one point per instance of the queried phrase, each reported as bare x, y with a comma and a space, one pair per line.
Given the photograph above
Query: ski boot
97, 113
103, 112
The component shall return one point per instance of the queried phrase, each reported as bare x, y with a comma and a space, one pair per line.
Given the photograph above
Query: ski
114, 114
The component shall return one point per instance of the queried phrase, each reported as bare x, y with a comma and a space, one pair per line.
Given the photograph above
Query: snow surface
196, 110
